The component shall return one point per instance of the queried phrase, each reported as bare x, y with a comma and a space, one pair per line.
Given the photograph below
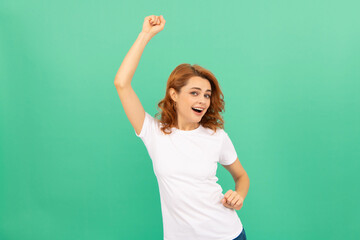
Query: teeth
199, 110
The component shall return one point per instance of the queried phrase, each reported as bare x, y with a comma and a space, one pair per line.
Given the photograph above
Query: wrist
240, 194
145, 35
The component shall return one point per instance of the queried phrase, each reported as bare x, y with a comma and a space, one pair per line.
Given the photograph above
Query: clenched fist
153, 24
232, 200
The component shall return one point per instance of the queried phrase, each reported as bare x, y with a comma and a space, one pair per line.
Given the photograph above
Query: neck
187, 126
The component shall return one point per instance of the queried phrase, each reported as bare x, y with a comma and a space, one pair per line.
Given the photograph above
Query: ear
173, 94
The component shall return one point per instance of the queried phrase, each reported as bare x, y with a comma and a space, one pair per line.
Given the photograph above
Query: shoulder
156, 124
151, 122
223, 135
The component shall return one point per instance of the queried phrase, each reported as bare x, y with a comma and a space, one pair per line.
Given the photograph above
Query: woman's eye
208, 96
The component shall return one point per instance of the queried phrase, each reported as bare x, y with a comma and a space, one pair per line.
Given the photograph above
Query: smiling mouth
196, 110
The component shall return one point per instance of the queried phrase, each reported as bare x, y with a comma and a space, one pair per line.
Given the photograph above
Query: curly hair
178, 78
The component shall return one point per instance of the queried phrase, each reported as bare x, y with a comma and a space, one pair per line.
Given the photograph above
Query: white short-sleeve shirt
185, 164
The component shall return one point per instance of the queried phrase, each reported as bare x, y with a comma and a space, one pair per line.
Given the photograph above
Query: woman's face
196, 94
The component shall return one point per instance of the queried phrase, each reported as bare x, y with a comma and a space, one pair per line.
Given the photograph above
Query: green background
71, 166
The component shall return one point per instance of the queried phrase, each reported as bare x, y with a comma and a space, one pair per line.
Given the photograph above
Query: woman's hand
232, 200
153, 24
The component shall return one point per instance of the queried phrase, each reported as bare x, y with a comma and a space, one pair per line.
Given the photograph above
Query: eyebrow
200, 89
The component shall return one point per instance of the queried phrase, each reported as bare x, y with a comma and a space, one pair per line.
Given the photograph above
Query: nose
202, 102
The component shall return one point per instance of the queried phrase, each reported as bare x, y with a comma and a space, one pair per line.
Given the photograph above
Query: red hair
178, 78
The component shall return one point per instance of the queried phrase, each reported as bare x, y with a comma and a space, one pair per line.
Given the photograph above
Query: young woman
185, 146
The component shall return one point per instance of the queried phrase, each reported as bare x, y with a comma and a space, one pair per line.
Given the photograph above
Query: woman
185, 146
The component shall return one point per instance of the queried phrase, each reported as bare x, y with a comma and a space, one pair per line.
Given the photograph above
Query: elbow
117, 84
120, 84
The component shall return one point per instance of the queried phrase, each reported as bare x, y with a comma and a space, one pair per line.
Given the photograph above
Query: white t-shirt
185, 164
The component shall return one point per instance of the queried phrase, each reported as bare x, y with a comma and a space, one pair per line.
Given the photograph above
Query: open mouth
197, 110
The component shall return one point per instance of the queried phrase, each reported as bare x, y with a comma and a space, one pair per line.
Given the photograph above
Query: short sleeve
148, 128
228, 153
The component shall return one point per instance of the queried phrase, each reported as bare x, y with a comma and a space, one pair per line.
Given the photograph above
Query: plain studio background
71, 166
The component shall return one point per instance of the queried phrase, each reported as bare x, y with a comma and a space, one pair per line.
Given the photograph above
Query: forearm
242, 185
128, 66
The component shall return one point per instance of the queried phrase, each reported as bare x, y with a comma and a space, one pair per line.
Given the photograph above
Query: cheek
188, 103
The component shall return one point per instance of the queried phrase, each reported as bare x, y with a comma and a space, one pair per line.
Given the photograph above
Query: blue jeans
242, 235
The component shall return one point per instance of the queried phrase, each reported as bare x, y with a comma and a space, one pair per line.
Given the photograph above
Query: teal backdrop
71, 166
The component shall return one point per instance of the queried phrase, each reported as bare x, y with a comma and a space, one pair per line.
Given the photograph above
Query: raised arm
131, 103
